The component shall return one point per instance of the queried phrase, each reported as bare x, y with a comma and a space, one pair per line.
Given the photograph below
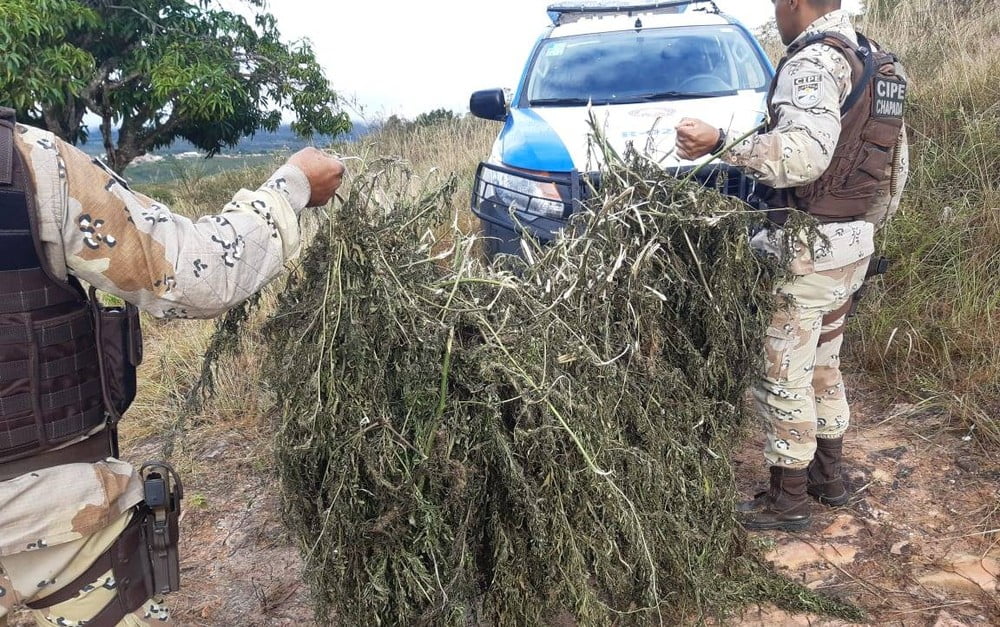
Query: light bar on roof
566, 12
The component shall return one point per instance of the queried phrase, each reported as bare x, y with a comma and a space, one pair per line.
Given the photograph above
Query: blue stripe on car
530, 143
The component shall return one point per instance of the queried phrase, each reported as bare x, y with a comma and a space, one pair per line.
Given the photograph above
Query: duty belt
94, 449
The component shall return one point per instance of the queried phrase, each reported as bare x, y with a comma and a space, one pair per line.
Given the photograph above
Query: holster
143, 559
164, 491
877, 266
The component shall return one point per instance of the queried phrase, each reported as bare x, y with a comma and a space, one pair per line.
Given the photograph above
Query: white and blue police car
639, 68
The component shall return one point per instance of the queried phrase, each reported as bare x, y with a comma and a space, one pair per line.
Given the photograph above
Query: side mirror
489, 104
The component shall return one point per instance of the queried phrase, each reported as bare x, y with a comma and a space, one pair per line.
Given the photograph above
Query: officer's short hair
825, 4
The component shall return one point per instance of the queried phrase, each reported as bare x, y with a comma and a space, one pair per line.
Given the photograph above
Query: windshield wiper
560, 102
672, 95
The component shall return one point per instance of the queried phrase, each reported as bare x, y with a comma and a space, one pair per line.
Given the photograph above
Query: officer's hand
695, 138
325, 174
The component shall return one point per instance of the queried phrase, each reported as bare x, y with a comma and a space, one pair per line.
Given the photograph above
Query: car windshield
645, 65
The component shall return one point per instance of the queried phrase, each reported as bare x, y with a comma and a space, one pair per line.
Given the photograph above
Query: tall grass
454, 147
932, 328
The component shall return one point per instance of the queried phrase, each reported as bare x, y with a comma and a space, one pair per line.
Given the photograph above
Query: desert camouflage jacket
94, 227
810, 91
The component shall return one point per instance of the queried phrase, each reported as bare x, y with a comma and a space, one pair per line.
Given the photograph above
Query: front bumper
505, 226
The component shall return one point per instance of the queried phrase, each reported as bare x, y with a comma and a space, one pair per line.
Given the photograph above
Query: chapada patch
805, 90
890, 98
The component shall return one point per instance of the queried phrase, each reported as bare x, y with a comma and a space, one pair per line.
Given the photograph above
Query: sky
404, 57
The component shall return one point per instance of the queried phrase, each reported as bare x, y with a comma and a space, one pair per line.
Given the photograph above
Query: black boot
826, 484
784, 506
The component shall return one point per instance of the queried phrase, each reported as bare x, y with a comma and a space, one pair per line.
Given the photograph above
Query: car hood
556, 139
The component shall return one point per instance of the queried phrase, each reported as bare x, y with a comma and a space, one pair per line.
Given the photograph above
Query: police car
639, 68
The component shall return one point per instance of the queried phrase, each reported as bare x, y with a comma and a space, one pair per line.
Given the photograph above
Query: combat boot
784, 506
826, 484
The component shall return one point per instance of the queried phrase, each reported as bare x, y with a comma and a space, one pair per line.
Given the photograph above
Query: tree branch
156, 25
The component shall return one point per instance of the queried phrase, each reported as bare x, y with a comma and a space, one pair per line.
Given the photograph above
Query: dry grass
453, 148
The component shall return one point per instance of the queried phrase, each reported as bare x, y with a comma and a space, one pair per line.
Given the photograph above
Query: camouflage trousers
24, 575
801, 395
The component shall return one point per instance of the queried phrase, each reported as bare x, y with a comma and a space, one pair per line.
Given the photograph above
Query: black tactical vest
67, 365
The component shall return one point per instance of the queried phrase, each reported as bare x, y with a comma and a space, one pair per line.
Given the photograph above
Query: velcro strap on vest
18, 250
48, 402
74, 329
55, 430
14, 220
94, 449
128, 561
49, 369
35, 299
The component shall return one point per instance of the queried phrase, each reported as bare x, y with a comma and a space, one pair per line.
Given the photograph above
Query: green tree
159, 70
396, 124
437, 116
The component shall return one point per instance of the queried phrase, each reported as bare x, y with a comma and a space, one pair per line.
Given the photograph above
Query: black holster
877, 266
163, 493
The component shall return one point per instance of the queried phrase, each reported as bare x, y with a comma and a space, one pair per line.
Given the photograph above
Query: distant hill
262, 143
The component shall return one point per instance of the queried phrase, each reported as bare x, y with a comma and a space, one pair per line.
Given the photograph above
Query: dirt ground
919, 544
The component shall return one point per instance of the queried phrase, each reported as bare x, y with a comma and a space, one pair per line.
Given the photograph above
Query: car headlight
524, 195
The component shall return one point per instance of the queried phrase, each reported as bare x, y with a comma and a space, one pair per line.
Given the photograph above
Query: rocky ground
919, 544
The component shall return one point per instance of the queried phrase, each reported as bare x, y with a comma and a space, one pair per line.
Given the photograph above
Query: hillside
263, 142
181, 160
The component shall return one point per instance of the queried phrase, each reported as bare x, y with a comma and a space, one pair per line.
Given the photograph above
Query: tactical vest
871, 120
67, 364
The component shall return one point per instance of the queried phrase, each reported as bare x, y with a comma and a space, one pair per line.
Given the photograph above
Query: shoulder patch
805, 90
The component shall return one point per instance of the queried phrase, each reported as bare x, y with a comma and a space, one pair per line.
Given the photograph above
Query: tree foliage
435, 117
159, 70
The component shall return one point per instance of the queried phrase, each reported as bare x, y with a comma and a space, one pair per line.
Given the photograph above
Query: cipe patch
805, 90
890, 98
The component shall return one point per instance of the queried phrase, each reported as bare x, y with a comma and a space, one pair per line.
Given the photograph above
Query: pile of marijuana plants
461, 444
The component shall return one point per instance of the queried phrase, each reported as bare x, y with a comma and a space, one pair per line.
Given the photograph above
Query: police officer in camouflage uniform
834, 147
66, 502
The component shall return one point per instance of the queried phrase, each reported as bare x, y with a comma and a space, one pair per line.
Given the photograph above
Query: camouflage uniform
801, 394
55, 522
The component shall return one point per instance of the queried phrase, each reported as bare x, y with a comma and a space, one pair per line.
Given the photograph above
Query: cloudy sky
406, 57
